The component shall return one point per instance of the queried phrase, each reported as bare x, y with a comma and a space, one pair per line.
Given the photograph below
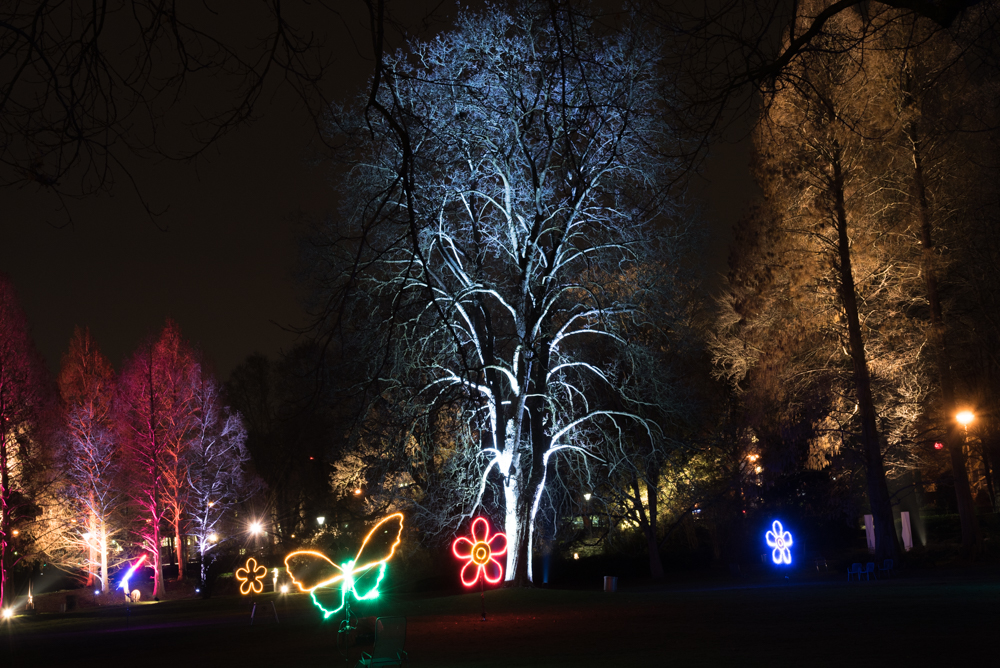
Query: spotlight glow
8, 613
479, 553
780, 540
349, 571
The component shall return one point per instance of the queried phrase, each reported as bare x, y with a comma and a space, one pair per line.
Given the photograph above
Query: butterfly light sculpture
359, 577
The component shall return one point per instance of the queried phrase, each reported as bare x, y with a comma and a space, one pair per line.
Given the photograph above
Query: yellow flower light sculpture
251, 577
310, 570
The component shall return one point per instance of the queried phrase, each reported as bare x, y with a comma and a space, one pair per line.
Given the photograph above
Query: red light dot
938, 446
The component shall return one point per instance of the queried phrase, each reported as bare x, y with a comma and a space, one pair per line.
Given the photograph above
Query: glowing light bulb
256, 529
284, 589
965, 417
8, 613
212, 537
586, 497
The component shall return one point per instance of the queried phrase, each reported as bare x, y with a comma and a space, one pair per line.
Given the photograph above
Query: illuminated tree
842, 273
22, 401
155, 410
939, 167
503, 171
91, 457
217, 459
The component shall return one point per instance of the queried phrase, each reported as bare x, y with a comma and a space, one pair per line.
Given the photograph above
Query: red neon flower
480, 552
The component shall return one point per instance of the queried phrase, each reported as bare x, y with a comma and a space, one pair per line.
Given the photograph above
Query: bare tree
503, 171
154, 408
92, 457
216, 470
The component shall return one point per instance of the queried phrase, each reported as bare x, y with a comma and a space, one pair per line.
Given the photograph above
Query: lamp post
965, 418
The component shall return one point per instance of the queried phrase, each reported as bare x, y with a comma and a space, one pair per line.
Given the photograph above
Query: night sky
222, 257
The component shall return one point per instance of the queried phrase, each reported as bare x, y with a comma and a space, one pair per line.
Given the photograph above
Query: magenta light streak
131, 571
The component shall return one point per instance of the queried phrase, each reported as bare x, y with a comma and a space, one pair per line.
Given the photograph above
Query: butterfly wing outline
378, 547
311, 570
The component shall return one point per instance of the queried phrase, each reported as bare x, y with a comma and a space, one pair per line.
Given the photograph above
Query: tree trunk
104, 557
886, 545
971, 539
179, 546
92, 537
652, 494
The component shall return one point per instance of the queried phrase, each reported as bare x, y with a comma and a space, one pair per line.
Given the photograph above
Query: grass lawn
927, 619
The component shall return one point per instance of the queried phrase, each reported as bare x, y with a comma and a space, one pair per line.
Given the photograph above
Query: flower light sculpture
780, 541
359, 576
479, 553
123, 585
251, 577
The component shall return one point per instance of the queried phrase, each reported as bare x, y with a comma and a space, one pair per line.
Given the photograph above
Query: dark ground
928, 618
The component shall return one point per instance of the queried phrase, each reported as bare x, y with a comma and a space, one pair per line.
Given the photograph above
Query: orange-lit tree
833, 266
91, 458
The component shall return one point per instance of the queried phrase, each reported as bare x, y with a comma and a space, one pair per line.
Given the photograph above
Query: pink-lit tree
155, 414
216, 456
91, 457
21, 399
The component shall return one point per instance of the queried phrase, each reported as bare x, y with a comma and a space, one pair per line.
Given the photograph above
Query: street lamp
320, 520
965, 417
256, 529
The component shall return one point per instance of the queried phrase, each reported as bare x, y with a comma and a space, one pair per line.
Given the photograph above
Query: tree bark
104, 557
652, 478
179, 546
971, 538
886, 545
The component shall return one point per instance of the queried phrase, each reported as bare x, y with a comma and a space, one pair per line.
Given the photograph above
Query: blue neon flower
781, 541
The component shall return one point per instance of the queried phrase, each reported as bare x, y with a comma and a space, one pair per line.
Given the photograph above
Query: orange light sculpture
349, 572
251, 577
479, 553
